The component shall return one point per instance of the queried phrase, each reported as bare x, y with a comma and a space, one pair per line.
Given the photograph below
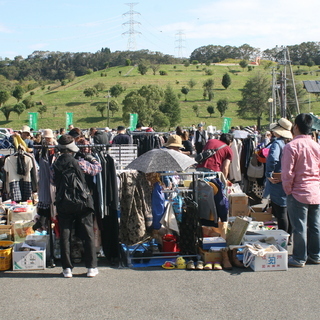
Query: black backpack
73, 196
203, 156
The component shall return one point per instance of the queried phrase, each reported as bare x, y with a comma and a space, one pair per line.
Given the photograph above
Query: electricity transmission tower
180, 35
131, 32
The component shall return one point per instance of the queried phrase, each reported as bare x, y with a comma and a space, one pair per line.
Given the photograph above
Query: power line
179, 41
131, 32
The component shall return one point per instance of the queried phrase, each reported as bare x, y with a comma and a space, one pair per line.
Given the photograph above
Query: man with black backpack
200, 138
74, 203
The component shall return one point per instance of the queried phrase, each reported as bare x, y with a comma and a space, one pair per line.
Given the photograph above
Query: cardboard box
277, 261
29, 260
21, 216
210, 256
257, 213
6, 232
238, 204
280, 236
21, 229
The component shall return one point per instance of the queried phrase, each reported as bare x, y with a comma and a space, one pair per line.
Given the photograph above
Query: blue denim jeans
305, 222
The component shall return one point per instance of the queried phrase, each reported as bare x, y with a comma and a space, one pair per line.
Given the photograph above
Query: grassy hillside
70, 98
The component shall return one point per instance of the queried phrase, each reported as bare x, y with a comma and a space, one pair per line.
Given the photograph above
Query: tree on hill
196, 110
101, 107
90, 92
28, 102
155, 67
208, 88
186, 63
42, 110
6, 110
18, 93
19, 108
222, 106
113, 107
210, 110
226, 80
243, 64
4, 97
143, 67
185, 91
192, 83
116, 90
255, 95
160, 121
171, 107
100, 86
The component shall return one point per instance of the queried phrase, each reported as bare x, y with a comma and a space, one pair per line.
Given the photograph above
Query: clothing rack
78, 145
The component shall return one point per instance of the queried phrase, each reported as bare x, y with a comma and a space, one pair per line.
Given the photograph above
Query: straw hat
25, 129
47, 133
282, 127
174, 141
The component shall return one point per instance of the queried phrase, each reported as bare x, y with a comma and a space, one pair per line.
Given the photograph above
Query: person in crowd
282, 132
200, 138
300, 174
61, 132
49, 138
37, 139
98, 136
266, 139
122, 137
70, 127
80, 140
138, 127
84, 220
25, 135
179, 131
220, 161
187, 145
107, 130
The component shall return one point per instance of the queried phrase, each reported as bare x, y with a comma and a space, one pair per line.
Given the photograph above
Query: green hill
70, 98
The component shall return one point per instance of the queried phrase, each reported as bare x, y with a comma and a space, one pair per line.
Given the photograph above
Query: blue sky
87, 26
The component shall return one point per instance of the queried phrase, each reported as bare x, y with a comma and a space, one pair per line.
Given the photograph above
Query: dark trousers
281, 214
85, 224
199, 147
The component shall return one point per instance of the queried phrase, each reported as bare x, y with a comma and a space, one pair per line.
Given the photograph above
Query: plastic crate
6, 255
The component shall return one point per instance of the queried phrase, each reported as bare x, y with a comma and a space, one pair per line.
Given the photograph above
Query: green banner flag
226, 125
33, 120
69, 119
133, 121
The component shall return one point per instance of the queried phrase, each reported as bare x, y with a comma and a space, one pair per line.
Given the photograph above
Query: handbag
254, 170
203, 156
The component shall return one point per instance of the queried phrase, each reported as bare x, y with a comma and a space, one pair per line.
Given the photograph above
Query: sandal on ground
190, 265
168, 265
208, 266
217, 266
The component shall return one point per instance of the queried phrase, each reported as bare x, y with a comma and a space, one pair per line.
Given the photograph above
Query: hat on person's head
47, 133
200, 125
121, 128
174, 141
283, 128
272, 125
248, 129
74, 133
106, 129
66, 142
26, 129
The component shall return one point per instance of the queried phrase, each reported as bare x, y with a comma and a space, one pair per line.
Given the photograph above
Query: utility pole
180, 41
108, 108
131, 32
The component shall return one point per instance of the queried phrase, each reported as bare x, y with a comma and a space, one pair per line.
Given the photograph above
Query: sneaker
313, 261
67, 273
92, 272
294, 263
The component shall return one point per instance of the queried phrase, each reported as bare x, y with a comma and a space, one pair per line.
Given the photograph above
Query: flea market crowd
194, 198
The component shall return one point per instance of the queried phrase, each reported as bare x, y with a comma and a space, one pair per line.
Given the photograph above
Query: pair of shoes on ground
212, 266
312, 261
294, 263
91, 272
197, 266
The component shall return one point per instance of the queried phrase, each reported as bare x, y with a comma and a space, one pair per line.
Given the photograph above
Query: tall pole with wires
180, 35
131, 32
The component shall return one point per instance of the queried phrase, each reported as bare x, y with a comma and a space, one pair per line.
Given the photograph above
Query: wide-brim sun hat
283, 128
174, 141
47, 133
26, 129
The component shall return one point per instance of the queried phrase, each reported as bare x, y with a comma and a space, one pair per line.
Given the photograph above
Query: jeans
305, 222
85, 224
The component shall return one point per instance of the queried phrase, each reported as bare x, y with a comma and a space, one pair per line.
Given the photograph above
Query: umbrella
161, 160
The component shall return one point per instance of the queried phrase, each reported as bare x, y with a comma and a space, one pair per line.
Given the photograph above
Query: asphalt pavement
156, 293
